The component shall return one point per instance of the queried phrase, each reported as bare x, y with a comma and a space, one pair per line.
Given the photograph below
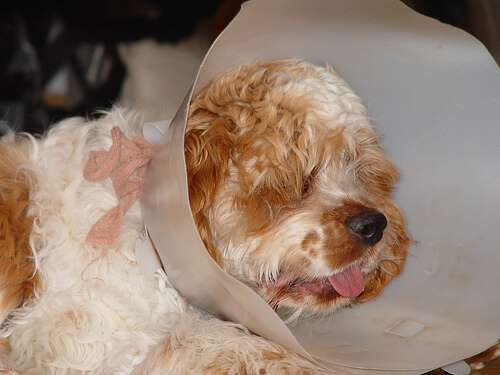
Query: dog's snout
368, 226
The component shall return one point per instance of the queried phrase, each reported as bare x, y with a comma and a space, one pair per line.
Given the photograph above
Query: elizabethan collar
434, 94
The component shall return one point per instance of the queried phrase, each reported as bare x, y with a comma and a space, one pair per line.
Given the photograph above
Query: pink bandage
126, 163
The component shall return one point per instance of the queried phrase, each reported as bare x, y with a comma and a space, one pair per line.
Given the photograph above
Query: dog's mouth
347, 283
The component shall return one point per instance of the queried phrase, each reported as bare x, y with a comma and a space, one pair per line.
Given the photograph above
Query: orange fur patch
17, 279
392, 263
341, 248
311, 238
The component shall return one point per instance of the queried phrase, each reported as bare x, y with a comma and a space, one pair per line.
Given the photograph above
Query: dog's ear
207, 150
378, 174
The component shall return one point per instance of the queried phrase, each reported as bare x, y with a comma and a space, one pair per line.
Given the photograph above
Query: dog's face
290, 189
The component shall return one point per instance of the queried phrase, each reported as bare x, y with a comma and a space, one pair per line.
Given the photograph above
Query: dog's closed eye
306, 188
308, 183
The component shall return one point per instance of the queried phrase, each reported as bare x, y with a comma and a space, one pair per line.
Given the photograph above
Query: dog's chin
317, 295
305, 299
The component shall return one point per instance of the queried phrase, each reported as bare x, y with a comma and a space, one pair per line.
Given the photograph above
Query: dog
291, 192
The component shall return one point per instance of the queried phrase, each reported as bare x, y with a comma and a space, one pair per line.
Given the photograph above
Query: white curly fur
96, 311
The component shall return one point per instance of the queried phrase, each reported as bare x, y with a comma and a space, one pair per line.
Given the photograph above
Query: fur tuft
17, 271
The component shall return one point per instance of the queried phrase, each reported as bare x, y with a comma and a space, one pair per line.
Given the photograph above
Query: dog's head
290, 189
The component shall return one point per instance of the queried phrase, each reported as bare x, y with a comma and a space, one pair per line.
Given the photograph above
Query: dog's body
273, 149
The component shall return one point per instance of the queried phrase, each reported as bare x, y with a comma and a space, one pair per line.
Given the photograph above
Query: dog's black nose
368, 226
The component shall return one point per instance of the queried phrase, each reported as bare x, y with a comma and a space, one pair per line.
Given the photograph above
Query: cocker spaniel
291, 193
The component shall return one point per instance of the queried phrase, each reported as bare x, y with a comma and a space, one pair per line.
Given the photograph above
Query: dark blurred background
61, 58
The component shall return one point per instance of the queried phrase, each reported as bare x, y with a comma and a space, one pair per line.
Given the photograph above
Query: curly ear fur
207, 150
17, 279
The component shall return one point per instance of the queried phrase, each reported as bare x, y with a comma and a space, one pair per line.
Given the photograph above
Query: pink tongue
348, 283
